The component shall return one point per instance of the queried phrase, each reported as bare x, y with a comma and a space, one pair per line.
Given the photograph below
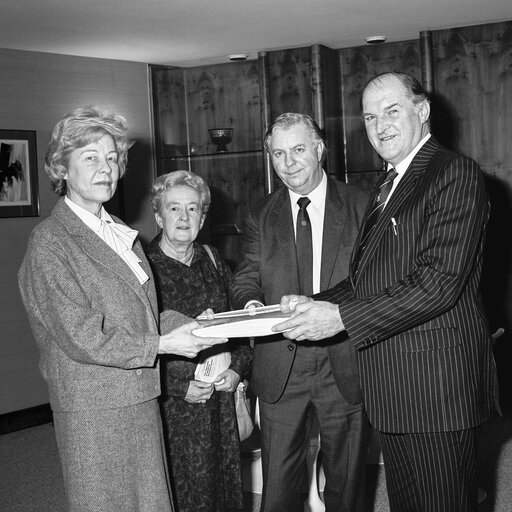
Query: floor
31, 481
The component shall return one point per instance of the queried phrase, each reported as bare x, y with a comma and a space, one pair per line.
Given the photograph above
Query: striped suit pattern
414, 312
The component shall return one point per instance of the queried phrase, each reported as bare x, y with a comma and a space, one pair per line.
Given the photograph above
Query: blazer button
138, 372
291, 347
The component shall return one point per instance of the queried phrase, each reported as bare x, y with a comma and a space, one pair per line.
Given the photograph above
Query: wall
36, 89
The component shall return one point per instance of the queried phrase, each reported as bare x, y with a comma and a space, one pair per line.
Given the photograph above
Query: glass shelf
224, 154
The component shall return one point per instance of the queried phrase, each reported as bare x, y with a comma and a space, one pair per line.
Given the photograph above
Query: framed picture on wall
19, 194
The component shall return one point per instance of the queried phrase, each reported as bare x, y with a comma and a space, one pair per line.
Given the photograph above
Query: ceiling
195, 32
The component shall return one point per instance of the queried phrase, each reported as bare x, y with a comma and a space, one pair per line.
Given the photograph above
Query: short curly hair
174, 179
77, 129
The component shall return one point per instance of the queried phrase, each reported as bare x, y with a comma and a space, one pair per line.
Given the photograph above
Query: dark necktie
304, 247
378, 207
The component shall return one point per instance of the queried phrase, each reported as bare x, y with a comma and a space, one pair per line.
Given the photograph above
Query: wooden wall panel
473, 80
169, 111
224, 96
290, 81
326, 94
473, 84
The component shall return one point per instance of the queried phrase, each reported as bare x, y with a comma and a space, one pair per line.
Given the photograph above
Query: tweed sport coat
413, 310
269, 270
96, 326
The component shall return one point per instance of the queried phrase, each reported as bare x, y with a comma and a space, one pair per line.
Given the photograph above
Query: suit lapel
334, 225
360, 234
283, 239
415, 171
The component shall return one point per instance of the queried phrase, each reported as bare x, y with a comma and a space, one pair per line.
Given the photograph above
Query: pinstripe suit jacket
95, 325
269, 270
414, 311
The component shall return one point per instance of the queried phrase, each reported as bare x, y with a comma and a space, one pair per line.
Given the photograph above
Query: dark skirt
204, 454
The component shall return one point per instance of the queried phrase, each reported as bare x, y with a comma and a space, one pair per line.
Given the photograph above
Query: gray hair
77, 129
174, 179
289, 119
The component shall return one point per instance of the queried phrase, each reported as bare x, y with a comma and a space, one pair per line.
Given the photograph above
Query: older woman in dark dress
199, 417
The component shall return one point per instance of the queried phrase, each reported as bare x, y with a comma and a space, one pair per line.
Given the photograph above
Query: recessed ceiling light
376, 39
238, 56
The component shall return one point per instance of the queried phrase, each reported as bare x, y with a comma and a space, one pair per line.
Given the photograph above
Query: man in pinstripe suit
411, 307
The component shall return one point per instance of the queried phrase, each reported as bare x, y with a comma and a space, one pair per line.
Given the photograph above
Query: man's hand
198, 392
310, 321
227, 381
288, 302
182, 342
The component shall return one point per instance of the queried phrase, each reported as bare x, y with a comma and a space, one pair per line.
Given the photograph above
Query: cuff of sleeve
342, 322
152, 344
255, 303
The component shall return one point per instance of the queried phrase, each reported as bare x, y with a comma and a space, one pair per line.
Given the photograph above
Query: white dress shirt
404, 164
316, 211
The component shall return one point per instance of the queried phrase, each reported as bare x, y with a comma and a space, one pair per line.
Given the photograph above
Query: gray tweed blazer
96, 327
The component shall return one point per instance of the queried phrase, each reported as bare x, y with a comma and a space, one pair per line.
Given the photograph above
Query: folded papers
242, 323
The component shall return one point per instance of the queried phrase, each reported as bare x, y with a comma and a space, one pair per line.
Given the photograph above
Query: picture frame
19, 192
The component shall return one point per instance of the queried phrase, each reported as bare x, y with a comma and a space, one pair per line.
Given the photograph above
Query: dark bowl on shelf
221, 137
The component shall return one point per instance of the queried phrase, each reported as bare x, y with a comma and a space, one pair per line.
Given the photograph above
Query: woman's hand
208, 314
227, 381
182, 342
198, 392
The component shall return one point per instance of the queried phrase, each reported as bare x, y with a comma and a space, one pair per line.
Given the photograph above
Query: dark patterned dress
202, 439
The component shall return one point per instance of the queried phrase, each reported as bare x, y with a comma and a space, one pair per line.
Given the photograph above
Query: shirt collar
126, 234
316, 196
404, 164
88, 218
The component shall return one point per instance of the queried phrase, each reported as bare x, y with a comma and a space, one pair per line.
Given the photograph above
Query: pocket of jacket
429, 339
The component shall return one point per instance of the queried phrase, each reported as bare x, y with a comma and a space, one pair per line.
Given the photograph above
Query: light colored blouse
119, 237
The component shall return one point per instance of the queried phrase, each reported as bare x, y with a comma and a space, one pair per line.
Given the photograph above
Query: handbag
243, 412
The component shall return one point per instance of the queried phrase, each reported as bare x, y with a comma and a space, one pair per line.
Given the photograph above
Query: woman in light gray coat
90, 297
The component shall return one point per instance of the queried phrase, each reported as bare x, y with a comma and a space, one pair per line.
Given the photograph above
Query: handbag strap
221, 272
210, 253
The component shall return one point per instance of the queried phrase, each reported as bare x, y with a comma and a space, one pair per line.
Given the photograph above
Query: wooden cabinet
189, 102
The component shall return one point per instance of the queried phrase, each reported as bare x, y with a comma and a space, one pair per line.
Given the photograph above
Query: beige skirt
114, 459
